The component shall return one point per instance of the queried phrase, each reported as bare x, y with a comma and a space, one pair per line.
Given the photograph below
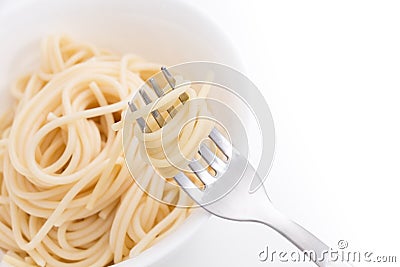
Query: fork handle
296, 234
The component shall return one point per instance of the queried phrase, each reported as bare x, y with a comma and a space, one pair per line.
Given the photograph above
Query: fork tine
141, 122
183, 180
189, 187
170, 79
222, 143
145, 96
201, 172
156, 114
159, 92
172, 83
132, 106
212, 159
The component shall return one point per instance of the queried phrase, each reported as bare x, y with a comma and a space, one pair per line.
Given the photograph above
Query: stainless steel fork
230, 198
226, 191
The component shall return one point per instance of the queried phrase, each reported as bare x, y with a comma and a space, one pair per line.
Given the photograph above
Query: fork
231, 199
226, 191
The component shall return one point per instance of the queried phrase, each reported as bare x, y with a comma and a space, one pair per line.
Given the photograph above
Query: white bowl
168, 32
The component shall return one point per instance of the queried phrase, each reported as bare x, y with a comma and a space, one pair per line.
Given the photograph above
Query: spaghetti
66, 195
170, 149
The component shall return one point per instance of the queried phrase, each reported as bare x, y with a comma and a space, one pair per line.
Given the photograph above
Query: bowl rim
178, 237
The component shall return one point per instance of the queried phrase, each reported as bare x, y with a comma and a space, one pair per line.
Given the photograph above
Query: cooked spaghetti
170, 149
66, 195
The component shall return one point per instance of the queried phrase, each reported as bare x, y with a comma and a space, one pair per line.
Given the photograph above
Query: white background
330, 71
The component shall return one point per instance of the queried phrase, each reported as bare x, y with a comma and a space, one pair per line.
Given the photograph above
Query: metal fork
147, 100
230, 198
226, 191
